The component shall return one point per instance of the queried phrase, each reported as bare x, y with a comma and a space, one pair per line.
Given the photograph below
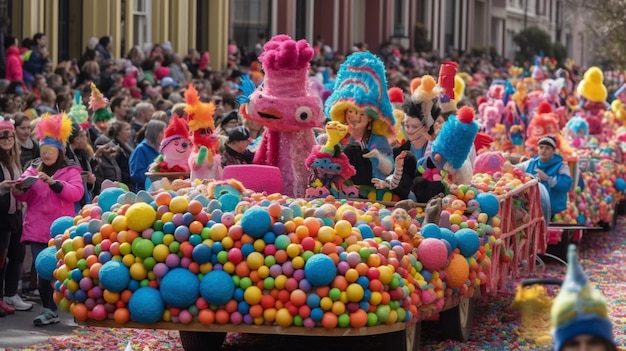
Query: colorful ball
46, 262
431, 230
60, 225
620, 184
457, 271
114, 276
140, 216
320, 270
256, 222
179, 288
146, 305
489, 203
467, 241
433, 253
217, 287
108, 198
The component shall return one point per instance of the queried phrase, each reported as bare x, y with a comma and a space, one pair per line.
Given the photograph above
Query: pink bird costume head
283, 102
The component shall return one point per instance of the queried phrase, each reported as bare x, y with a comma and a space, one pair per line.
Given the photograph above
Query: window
249, 19
141, 22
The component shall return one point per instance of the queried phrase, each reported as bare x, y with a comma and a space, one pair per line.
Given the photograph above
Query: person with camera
108, 168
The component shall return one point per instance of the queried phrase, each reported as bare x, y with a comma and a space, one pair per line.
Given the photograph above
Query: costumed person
453, 145
287, 110
419, 178
50, 187
359, 100
330, 167
204, 160
553, 173
101, 115
396, 96
12, 250
579, 314
175, 148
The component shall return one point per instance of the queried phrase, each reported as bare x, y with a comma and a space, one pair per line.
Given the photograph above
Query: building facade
209, 25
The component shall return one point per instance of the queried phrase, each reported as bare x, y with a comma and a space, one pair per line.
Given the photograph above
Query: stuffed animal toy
79, 112
396, 96
452, 147
98, 103
491, 114
284, 106
577, 132
330, 167
546, 123
175, 148
360, 100
204, 160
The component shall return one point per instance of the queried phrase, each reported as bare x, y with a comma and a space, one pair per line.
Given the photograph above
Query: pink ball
343, 266
185, 262
147, 233
373, 273
383, 250
99, 313
299, 274
432, 253
353, 258
269, 250
399, 250
96, 212
309, 323
236, 318
185, 317
228, 219
308, 244
172, 260
234, 255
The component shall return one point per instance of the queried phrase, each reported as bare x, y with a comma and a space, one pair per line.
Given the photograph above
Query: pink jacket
43, 205
13, 69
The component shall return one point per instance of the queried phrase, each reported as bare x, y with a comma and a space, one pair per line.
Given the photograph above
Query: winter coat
559, 179
14, 70
45, 205
141, 158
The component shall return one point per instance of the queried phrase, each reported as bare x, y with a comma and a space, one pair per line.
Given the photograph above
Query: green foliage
422, 44
531, 41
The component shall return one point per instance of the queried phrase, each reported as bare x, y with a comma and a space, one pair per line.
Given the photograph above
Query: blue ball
366, 231
60, 225
188, 218
467, 241
320, 270
81, 229
431, 230
46, 262
256, 222
201, 253
179, 288
217, 287
169, 228
620, 184
108, 198
317, 314
94, 225
449, 236
146, 305
489, 203
229, 202
133, 285
313, 300
114, 276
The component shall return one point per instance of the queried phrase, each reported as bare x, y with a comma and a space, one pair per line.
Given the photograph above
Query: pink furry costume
287, 110
204, 160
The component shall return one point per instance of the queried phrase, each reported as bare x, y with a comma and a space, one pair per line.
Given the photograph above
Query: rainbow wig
199, 114
361, 85
54, 130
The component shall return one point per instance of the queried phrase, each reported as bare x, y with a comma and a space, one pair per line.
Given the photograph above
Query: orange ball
329, 320
298, 297
358, 319
222, 317
206, 316
121, 315
163, 198
313, 224
80, 311
194, 207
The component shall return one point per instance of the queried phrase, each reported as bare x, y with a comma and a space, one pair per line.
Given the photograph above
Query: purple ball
288, 268
172, 260
181, 233
96, 292
353, 258
185, 262
276, 270
304, 285
90, 303
247, 319
299, 274
160, 269
86, 283
177, 219
342, 267
147, 233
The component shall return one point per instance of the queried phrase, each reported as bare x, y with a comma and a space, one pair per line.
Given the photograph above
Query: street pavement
17, 330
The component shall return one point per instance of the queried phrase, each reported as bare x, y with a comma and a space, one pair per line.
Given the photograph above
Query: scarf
14, 204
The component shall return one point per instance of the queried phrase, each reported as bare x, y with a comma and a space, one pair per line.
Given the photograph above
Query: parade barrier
524, 241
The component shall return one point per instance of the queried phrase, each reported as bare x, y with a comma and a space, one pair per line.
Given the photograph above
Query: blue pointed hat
579, 308
361, 84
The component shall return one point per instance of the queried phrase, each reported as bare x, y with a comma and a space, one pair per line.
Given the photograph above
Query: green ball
298, 321
143, 249
334, 294
174, 246
395, 282
268, 283
418, 266
205, 233
245, 283
117, 258
82, 264
149, 263
382, 312
222, 257
343, 321
135, 242
236, 280
158, 225
401, 314
394, 305
97, 249
157, 237
372, 319
365, 252
270, 260
144, 283
307, 254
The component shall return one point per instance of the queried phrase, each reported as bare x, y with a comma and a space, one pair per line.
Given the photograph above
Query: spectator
64, 101
119, 135
176, 69
39, 84
80, 152
167, 86
12, 251
119, 108
145, 153
107, 168
13, 70
161, 116
38, 58
191, 61
29, 148
143, 115
104, 49
48, 102
5, 22
236, 148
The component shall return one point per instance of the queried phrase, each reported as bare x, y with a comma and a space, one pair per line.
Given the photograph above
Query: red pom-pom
481, 100
176, 127
544, 107
396, 95
466, 114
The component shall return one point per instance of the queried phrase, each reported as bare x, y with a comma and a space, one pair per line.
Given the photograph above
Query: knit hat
7, 124
98, 103
548, 140
54, 130
579, 308
177, 129
455, 139
361, 83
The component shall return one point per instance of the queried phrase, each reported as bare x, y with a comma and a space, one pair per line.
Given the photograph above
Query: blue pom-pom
320, 270
366, 231
229, 202
217, 287
114, 276
60, 225
81, 229
108, 198
431, 230
201, 253
467, 241
146, 305
46, 262
448, 235
489, 203
620, 184
256, 222
179, 288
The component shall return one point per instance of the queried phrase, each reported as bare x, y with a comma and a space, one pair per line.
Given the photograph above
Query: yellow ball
343, 228
61, 273
456, 218
128, 260
255, 260
70, 260
280, 281
168, 239
140, 216
218, 232
263, 272
385, 274
167, 217
376, 298
352, 275
227, 243
293, 250
326, 303
179, 204
138, 271
119, 223
229, 267
72, 285
326, 234
298, 262
259, 245
354, 292
125, 248
160, 252
252, 295
284, 318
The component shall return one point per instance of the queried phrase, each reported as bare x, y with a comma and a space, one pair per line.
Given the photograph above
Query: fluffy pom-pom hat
54, 130
200, 114
98, 103
177, 129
